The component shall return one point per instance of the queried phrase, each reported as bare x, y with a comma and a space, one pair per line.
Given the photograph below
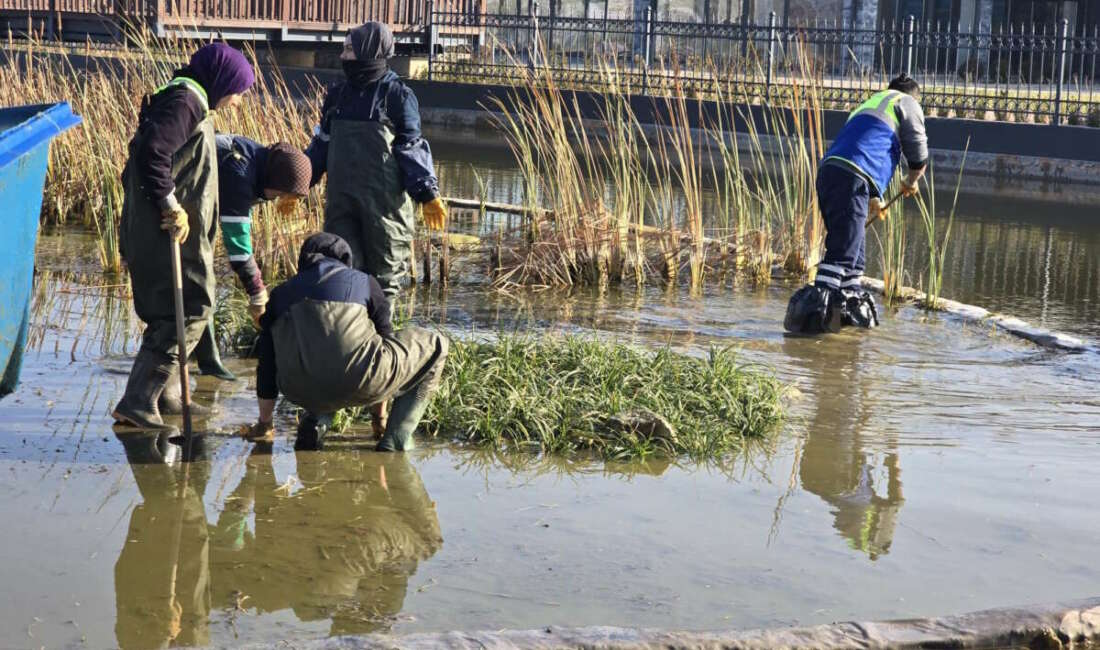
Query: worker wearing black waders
171, 184
326, 343
851, 182
248, 174
370, 144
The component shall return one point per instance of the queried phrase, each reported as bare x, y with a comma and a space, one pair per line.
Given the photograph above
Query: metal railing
1034, 73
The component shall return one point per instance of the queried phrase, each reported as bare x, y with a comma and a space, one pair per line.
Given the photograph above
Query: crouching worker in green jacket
326, 343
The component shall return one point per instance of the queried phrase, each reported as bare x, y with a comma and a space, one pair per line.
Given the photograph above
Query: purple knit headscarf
221, 70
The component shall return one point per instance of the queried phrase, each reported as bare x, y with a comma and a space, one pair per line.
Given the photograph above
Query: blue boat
25, 134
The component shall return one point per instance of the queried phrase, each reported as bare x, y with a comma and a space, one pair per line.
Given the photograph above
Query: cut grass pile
570, 395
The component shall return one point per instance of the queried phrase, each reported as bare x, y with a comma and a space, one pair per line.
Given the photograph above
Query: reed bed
697, 199
84, 183
561, 395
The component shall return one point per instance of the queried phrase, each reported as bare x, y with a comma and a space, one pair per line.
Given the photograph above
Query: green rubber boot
207, 356
148, 377
171, 400
405, 415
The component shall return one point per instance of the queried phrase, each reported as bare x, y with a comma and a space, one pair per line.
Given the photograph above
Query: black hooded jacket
324, 274
374, 93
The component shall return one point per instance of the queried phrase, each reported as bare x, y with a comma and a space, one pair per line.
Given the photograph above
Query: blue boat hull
24, 155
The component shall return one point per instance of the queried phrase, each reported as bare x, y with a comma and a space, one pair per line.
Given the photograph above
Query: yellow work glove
378, 419
908, 189
285, 205
256, 311
175, 222
257, 305
259, 432
875, 210
435, 214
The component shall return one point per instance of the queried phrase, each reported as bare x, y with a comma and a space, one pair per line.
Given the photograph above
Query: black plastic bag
814, 310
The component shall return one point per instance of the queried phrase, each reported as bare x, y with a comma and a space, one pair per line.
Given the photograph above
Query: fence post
648, 43
1063, 31
772, 35
429, 35
533, 41
910, 42
550, 29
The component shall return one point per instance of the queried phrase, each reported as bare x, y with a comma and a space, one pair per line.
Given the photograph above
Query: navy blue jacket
388, 100
326, 280
241, 163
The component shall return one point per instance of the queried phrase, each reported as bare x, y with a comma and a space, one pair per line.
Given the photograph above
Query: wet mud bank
1075, 624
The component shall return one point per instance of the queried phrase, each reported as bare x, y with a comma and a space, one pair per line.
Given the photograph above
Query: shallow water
1035, 258
928, 467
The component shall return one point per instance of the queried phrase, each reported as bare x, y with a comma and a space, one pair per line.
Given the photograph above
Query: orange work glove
285, 205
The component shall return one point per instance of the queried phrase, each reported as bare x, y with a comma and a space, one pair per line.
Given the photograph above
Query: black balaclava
366, 49
324, 245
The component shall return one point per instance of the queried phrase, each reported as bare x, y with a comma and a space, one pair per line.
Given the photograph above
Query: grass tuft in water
556, 395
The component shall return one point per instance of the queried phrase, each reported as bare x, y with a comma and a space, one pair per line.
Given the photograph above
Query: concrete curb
1039, 627
981, 316
1069, 181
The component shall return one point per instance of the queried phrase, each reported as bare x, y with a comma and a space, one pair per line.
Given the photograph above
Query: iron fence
1037, 72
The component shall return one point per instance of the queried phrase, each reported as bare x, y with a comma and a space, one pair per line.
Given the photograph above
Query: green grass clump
555, 394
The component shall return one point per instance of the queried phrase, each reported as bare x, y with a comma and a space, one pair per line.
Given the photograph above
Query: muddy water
929, 467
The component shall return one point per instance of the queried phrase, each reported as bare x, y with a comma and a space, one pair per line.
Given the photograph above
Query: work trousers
843, 197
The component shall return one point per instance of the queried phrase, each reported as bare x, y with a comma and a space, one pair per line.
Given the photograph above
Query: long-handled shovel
872, 219
181, 340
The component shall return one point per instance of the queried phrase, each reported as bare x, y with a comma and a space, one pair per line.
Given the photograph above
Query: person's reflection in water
341, 546
162, 577
837, 463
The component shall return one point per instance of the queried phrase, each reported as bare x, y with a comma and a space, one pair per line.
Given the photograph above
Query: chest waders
329, 356
145, 247
367, 205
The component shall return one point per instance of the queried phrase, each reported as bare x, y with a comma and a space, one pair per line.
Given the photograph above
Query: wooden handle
181, 338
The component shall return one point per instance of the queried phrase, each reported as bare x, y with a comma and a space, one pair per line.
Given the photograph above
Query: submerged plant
563, 395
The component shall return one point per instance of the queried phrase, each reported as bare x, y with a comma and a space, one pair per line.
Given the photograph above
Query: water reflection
857, 473
336, 543
162, 577
342, 548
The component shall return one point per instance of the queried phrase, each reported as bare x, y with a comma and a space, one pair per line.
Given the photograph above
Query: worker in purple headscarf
171, 191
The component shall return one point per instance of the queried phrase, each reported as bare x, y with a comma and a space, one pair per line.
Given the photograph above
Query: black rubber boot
311, 432
148, 377
405, 415
207, 356
171, 400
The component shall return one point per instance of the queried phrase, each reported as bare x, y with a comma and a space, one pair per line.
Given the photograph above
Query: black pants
843, 196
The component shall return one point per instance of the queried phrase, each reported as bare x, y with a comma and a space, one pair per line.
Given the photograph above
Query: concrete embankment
975, 315
1042, 627
1007, 159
